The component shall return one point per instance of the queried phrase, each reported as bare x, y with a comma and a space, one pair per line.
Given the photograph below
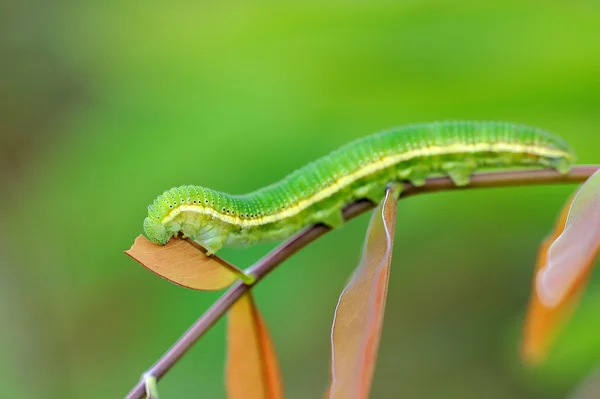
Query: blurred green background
105, 104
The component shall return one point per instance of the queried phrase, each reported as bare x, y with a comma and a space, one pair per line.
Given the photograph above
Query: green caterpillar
362, 169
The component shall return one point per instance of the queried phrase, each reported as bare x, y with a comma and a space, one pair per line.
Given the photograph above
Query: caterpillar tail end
155, 231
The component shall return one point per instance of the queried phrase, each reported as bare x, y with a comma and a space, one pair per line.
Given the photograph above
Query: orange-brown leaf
542, 323
252, 369
183, 262
563, 266
358, 318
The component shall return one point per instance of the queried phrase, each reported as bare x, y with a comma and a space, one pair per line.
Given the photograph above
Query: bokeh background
105, 104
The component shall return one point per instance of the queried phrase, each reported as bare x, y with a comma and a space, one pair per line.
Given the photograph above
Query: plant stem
274, 258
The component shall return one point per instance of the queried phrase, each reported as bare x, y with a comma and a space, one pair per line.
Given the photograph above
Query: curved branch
274, 258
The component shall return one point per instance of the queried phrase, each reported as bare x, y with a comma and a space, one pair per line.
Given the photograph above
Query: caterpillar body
361, 169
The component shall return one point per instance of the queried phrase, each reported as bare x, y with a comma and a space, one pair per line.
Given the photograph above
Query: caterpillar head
156, 232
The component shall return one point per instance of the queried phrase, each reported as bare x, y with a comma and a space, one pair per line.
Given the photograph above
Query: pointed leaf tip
183, 263
358, 317
252, 370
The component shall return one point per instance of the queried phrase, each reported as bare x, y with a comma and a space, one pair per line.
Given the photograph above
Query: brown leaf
358, 317
184, 263
564, 264
252, 370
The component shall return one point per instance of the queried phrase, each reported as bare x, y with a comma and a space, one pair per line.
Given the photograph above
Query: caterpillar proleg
361, 169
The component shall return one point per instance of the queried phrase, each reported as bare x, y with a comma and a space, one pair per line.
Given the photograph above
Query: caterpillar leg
212, 245
374, 193
415, 174
561, 165
332, 218
213, 237
460, 174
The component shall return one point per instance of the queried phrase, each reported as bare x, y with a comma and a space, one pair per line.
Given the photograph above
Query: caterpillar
361, 169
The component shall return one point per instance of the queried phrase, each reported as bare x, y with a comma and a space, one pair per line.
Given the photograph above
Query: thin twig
274, 258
